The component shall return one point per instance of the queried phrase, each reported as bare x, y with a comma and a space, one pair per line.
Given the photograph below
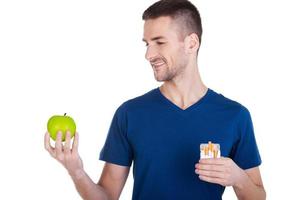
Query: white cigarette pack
210, 150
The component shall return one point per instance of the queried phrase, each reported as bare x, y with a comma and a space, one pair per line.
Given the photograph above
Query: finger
210, 167
47, 144
58, 146
75, 143
213, 161
67, 143
212, 174
212, 180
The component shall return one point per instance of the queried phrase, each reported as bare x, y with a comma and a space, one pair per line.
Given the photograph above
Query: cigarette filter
210, 150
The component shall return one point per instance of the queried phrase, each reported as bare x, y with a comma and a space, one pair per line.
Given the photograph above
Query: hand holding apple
66, 155
60, 123
62, 128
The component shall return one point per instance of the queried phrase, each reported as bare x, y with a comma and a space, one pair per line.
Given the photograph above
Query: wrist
77, 174
241, 180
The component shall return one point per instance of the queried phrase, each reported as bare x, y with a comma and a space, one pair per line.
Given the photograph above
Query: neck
185, 89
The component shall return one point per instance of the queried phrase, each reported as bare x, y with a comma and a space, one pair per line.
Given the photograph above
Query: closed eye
158, 43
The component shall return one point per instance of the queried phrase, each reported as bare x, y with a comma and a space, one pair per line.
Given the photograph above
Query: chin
162, 77
159, 79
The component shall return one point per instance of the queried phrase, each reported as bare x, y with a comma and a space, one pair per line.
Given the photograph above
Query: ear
192, 43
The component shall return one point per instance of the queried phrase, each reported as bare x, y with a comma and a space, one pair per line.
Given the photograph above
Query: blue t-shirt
163, 142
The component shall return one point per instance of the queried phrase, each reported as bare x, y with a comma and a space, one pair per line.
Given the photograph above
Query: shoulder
144, 101
223, 103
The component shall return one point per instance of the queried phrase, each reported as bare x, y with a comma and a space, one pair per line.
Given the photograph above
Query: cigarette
215, 153
210, 150
210, 146
206, 151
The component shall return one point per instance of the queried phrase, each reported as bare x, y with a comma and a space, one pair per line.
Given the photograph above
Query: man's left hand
221, 171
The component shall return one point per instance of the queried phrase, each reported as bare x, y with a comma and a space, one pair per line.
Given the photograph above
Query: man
160, 132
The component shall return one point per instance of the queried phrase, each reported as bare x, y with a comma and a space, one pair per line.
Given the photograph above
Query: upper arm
113, 178
254, 174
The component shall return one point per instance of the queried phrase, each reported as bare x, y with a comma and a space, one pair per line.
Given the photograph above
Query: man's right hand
66, 155
112, 179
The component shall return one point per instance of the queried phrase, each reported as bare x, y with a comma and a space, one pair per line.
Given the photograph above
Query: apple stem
65, 114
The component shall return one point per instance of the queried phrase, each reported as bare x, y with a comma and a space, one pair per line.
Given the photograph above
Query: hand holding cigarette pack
210, 150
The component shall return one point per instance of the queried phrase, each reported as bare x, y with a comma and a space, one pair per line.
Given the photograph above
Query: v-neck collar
198, 103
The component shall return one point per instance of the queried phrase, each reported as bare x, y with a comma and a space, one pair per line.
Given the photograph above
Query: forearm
247, 190
87, 189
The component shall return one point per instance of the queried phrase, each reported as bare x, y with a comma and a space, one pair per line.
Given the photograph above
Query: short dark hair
177, 9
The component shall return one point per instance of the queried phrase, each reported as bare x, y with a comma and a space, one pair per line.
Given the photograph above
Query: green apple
61, 123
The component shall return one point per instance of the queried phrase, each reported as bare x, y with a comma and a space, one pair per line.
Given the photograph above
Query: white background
86, 58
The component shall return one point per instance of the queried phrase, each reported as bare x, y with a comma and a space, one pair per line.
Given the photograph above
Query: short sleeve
117, 149
245, 153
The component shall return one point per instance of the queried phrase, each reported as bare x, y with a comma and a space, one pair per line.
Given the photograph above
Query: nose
150, 53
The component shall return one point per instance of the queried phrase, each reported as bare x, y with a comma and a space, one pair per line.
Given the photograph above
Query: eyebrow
154, 38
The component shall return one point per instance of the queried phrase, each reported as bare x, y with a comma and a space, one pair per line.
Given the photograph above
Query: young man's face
165, 48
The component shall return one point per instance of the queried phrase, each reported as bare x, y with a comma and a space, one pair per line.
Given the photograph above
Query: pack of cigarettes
210, 150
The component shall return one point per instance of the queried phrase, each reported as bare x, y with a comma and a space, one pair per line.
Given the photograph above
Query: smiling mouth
157, 65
